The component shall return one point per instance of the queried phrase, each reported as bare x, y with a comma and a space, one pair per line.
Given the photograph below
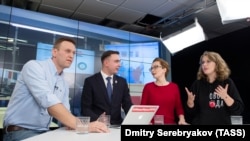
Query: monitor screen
136, 60
83, 61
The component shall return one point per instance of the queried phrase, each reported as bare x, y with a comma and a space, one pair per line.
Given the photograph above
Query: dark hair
60, 40
108, 53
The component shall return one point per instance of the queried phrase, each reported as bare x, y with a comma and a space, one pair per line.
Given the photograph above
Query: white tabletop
70, 135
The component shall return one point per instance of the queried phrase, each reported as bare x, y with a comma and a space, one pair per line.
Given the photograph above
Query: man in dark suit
95, 98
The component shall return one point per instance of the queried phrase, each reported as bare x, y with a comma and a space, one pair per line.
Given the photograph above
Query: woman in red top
163, 93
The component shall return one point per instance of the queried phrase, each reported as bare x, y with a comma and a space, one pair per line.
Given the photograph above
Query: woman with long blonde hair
213, 97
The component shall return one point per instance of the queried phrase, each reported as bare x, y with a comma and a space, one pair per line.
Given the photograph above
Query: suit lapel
115, 87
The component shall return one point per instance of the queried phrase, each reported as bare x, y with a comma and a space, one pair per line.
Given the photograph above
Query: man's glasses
154, 67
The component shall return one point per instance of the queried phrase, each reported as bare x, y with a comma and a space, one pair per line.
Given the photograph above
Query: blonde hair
222, 70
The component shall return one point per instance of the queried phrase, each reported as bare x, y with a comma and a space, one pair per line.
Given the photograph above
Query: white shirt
104, 76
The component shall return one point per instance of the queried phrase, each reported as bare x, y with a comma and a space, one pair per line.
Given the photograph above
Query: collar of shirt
104, 76
53, 67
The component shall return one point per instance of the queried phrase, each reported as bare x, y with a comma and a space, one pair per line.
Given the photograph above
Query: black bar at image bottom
185, 132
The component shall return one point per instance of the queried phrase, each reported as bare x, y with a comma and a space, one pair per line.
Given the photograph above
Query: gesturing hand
222, 92
190, 95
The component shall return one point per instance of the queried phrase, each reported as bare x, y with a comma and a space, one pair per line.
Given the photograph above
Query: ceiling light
46, 30
233, 10
188, 36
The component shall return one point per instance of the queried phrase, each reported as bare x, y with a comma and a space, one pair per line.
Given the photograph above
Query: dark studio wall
233, 47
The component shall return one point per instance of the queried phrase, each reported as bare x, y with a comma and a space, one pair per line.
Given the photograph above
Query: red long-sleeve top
167, 97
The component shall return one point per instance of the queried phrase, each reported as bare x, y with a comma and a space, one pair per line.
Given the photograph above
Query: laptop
140, 114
